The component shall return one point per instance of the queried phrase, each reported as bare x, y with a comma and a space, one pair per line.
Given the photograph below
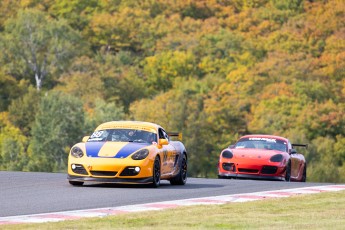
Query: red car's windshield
262, 143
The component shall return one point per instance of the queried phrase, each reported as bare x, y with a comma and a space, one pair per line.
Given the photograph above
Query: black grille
228, 166
269, 170
129, 171
79, 169
103, 173
248, 170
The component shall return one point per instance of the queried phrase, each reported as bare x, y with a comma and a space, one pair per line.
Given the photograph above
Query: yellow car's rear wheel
181, 177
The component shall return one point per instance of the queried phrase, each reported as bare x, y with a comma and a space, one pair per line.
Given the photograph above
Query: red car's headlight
227, 154
141, 154
77, 152
277, 158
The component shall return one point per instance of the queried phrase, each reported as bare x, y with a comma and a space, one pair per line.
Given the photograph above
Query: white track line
102, 212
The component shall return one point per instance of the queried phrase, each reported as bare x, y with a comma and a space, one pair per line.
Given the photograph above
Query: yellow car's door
169, 161
168, 154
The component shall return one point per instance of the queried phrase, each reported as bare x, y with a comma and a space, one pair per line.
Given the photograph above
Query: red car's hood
264, 154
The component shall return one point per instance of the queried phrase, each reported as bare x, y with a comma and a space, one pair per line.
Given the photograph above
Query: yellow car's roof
139, 125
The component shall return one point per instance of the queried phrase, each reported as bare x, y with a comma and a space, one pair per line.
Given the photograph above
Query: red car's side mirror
293, 151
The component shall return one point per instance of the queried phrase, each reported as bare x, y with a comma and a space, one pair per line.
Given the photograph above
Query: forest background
211, 69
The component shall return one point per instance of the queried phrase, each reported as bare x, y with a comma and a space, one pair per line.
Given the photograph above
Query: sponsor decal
263, 139
97, 134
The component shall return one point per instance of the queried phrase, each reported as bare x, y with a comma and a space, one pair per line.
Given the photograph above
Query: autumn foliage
211, 69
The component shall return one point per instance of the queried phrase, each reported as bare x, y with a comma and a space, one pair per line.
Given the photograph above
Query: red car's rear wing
300, 145
178, 135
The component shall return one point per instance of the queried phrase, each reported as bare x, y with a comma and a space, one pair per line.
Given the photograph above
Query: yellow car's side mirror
163, 142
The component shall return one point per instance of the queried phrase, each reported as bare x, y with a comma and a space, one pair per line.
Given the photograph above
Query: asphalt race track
24, 193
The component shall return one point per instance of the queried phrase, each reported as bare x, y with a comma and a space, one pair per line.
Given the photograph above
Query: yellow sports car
130, 152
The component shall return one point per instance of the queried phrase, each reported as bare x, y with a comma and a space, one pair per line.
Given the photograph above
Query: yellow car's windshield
123, 135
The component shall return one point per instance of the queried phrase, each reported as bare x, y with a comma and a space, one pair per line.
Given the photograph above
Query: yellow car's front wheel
76, 183
156, 173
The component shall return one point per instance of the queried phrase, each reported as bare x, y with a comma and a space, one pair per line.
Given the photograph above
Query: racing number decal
165, 161
165, 156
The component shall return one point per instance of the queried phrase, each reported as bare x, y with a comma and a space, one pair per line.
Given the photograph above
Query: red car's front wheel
288, 172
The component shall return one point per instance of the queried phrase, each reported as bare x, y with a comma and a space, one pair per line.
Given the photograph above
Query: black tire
76, 183
156, 173
288, 172
304, 177
181, 177
225, 177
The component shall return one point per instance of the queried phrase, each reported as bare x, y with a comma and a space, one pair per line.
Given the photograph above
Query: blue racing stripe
93, 148
130, 148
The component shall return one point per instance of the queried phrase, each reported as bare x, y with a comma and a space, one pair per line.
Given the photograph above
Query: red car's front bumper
251, 171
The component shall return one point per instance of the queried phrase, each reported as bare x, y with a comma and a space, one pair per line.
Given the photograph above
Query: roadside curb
110, 211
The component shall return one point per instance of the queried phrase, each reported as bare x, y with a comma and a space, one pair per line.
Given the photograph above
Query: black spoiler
175, 134
300, 145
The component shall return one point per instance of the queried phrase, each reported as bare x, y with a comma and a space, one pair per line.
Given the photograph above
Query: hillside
212, 69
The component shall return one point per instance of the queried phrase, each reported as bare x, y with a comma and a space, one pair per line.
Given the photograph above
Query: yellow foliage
4, 121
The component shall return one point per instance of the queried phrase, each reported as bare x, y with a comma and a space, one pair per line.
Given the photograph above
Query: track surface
23, 193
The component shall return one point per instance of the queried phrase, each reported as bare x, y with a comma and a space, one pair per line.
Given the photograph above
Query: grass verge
313, 211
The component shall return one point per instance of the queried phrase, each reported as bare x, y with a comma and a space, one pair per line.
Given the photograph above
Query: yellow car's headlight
141, 154
77, 152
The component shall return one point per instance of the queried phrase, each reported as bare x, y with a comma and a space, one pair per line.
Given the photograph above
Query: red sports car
265, 157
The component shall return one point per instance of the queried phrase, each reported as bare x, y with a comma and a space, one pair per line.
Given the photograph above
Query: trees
162, 69
13, 145
122, 30
76, 13
37, 50
22, 111
10, 89
102, 112
181, 109
213, 69
7, 9
59, 123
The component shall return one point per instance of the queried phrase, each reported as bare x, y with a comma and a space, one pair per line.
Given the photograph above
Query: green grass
313, 211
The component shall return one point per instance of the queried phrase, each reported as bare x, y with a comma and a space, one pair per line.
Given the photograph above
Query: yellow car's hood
112, 149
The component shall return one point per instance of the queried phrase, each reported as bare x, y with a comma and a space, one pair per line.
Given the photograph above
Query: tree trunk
38, 82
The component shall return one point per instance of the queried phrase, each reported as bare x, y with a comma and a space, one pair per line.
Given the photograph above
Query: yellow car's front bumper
110, 170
